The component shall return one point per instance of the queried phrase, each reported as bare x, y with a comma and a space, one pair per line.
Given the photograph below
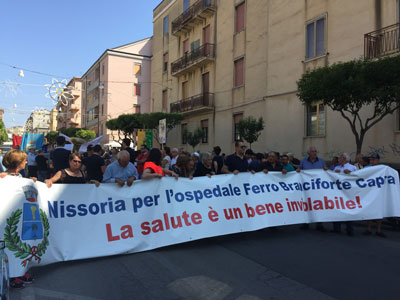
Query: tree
86, 134
3, 133
52, 137
250, 129
194, 138
351, 86
127, 124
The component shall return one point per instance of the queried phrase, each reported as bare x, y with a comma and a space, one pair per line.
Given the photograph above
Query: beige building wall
273, 45
109, 86
69, 116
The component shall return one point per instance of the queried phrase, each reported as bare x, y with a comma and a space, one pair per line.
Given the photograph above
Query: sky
62, 39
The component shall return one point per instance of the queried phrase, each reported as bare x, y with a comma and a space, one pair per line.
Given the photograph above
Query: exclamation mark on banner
358, 201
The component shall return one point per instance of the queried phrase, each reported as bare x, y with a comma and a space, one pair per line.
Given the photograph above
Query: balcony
195, 14
74, 108
193, 59
382, 42
198, 103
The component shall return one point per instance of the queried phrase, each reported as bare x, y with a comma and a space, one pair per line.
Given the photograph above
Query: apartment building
38, 121
119, 82
217, 61
69, 114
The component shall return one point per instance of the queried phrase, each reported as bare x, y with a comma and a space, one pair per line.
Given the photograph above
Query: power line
31, 71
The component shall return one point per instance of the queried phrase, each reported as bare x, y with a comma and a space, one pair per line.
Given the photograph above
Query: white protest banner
68, 222
94, 142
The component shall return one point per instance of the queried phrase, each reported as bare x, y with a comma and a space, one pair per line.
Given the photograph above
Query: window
315, 38
164, 100
165, 62
136, 89
102, 109
137, 69
195, 45
185, 90
185, 46
102, 69
186, 5
315, 119
236, 119
102, 92
183, 133
136, 108
239, 71
239, 17
165, 25
204, 128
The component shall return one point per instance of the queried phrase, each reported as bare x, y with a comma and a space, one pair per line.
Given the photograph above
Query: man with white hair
346, 168
344, 165
121, 170
174, 157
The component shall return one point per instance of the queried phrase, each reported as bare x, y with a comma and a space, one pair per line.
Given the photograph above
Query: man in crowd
374, 160
236, 162
94, 165
60, 155
121, 170
346, 168
293, 161
256, 164
42, 166
126, 146
32, 166
141, 159
285, 163
249, 155
273, 164
310, 163
218, 161
334, 163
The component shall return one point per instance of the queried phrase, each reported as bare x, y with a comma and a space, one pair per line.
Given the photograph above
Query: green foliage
194, 138
85, 134
129, 122
3, 133
348, 87
250, 129
52, 137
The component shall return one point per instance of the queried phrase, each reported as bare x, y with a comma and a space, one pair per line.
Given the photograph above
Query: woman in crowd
184, 166
15, 161
166, 161
152, 167
204, 167
73, 174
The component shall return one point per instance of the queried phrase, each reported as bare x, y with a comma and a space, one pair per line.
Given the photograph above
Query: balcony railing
204, 101
199, 55
195, 12
382, 42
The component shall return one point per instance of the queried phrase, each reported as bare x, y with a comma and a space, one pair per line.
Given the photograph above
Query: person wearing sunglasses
73, 174
236, 162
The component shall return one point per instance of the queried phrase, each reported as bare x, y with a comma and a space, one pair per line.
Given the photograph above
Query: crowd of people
124, 166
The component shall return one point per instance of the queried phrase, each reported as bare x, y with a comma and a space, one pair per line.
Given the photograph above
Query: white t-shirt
173, 161
347, 166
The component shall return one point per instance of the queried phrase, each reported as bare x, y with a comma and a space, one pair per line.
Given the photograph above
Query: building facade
217, 61
119, 82
69, 115
38, 122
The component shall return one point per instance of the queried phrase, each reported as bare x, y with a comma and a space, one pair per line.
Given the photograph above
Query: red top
139, 166
153, 167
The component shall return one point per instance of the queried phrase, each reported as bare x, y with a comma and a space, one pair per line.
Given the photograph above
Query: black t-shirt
234, 162
220, 163
93, 165
60, 158
41, 162
132, 154
270, 167
201, 170
256, 166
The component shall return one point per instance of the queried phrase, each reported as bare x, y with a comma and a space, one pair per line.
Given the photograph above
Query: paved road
285, 263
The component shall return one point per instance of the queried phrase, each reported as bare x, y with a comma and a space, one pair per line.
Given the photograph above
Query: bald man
121, 171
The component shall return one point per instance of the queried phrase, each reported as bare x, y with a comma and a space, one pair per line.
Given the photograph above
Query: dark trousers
337, 227
32, 171
42, 175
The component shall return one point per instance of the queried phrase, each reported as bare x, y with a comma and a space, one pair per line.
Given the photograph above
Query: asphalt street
282, 263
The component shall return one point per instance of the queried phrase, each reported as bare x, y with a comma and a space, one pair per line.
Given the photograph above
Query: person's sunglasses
77, 161
243, 147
